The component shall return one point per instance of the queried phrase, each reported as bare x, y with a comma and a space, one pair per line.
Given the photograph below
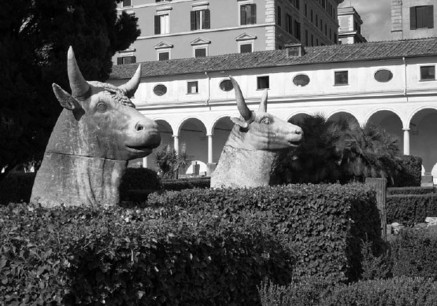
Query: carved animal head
100, 119
260, 130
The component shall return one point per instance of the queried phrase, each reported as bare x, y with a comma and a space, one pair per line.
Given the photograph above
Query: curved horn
131, 86
263, 104
79, 87
241, 104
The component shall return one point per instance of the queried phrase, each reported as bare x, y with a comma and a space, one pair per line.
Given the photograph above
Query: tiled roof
264, 59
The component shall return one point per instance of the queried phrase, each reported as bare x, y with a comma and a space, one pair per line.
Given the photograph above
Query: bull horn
263, 104
241, 104
79, 86
131, 86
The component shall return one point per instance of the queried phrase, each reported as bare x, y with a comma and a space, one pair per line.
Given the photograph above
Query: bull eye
101, 107
265, 120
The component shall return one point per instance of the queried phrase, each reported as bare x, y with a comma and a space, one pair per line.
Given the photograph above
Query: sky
376, 16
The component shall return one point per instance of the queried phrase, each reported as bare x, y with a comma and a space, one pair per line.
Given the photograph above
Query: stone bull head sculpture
97, 132
248, 157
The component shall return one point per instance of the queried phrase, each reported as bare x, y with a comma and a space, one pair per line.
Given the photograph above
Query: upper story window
226, 85
279, 18
192, 87
162, 24
297, 29
200, 52
248, 14
126, 60
341, 77
164, 56
301, 80
383, 75
263, 82
160, 90
127, 3
289, 24
246, 48
422, 17
200, 19
427, 73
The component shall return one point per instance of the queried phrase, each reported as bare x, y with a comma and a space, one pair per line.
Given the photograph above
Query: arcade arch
391, 123
343, 115
193, 140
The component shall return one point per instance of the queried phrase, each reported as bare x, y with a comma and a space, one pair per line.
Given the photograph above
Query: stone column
210, 153
176, 143
406, 141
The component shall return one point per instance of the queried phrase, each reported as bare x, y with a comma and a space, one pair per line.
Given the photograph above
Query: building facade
350, 26
175, 29
413, 19
391, 84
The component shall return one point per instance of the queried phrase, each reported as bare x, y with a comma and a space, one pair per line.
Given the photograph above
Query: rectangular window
279, 21
306, 38
248, 14
427, 73
263, 82
127, 3
126, 60
200, 20
306, 10
297, 29
245, 48
162, 24
200, 52
192, 87
163, 56
422, 17
341, 78
289, 24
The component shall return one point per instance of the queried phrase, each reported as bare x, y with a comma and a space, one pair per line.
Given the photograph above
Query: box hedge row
95, 256
326, 223
411, 209
410, 190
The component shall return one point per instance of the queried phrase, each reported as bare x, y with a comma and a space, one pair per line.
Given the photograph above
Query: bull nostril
139, 127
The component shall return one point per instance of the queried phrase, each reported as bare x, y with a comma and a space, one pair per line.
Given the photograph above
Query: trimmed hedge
326, 223
188, 183
414, 253
411, 209
398, 291
138, 183
16, 187
410, 173
134, 257
410, 190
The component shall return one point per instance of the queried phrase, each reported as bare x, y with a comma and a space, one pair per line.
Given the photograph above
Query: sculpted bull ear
241, 104
79, 87
65, 99
243, 124
131, 86
263, 104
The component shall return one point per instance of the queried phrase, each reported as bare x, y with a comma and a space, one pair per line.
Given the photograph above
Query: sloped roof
263, 59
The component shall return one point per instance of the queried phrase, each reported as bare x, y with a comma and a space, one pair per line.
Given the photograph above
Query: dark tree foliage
339, 151
34, 39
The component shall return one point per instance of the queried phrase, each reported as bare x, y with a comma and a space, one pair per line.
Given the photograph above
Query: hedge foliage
326, 223
410, 190
190, 183
414, 253
410, 173
16, 187
86, 256
411, 209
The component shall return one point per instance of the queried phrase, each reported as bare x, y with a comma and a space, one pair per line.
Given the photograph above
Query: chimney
294, 50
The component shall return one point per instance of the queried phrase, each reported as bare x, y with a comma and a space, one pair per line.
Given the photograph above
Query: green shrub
95, 256
326, 223
16, 187
414, 253
398, 291
410, 173
140, 179
411, 209
410, 190
190, 183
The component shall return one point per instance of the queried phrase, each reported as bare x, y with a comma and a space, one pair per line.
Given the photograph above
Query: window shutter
243, 15
207, 19
253, 14
430, 16
413, 18
157, 24
193, 20
119, 60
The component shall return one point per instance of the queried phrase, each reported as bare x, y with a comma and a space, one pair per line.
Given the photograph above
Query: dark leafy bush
326, 223
398, 291
411, 209
410, 190
16, 187
410, 173
188, 183
414, 253
134, 257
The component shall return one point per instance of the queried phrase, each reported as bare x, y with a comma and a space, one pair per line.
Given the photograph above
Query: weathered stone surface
253, 145
98, 131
